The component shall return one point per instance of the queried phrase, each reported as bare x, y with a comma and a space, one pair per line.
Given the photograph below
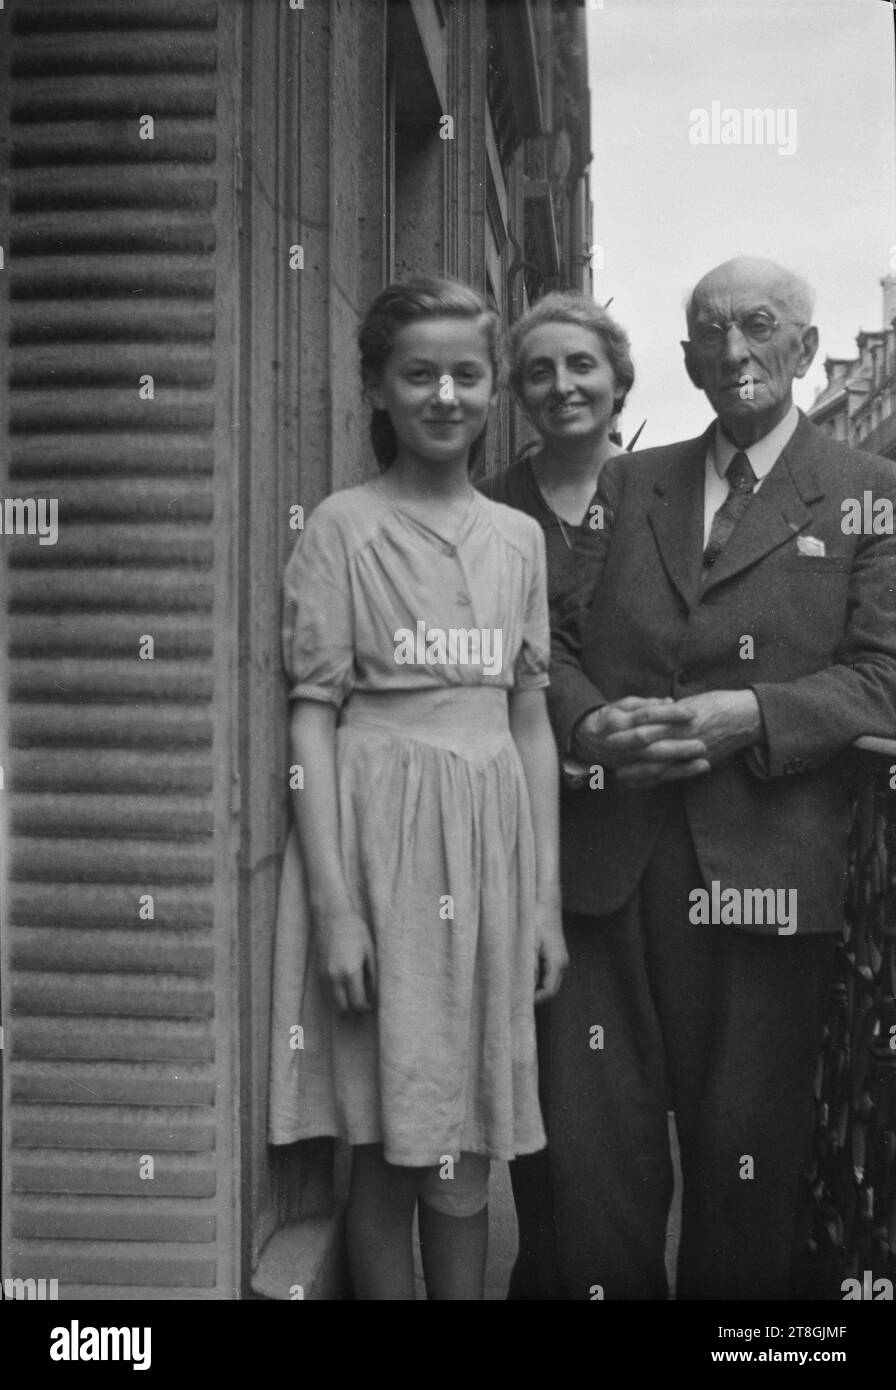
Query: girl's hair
411, 302
567, 306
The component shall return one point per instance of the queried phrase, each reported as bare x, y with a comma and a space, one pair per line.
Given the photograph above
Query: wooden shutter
118, 266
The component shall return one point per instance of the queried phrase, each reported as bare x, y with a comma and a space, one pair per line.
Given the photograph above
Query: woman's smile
568, 387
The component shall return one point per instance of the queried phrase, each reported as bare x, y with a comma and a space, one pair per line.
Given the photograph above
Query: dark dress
535, 1275
567, 546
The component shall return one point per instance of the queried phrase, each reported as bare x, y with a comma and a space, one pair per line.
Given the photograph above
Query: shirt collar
763, 455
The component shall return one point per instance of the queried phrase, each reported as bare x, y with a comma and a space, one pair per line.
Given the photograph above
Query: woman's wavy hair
412, 301
568, 306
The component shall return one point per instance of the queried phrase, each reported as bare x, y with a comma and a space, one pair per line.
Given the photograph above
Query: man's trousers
720, 1024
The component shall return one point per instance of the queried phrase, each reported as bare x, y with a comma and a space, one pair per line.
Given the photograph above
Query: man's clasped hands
648, 741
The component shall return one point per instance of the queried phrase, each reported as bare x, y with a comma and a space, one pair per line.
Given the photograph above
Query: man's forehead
737, 297
739, 288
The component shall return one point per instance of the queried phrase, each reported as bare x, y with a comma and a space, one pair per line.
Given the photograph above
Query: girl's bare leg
379, 1221
453, 1249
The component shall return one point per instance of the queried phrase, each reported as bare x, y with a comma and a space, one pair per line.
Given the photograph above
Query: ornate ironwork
849, 1219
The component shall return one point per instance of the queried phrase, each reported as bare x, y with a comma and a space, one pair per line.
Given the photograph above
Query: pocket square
810, 545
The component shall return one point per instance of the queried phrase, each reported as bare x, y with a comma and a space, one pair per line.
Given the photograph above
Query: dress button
462, 599
450, 549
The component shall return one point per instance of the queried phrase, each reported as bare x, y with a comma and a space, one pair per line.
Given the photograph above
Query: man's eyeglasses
758, 327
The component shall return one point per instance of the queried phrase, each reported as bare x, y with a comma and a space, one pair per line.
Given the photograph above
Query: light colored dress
435, 828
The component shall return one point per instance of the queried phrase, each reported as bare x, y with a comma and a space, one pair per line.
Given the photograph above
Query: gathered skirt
439, 858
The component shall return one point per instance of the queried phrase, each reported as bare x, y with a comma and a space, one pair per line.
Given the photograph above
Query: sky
667, 209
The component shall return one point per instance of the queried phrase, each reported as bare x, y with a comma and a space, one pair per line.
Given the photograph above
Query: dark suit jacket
640, 622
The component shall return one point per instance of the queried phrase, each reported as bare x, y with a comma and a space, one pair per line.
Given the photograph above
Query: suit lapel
778, 510
675, 513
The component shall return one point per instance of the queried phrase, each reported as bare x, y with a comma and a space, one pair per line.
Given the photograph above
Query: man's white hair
783, 285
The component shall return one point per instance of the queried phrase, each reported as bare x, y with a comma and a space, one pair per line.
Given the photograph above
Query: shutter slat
110, 320
123, 544
91, 409
40, 55
111, 1262
117, 1219
92, 680
159, 996
110, 725
112, 1083
64, 16
178, 906
138, 499
72, 949
99, 587
84, 96
86, 142
120, 1218
110, 815
136, 1293
176, 364
113, 1039
109, 635
74, 769
119, 231
110, 860
92, 1171
158, 186
107, 453
157, 1128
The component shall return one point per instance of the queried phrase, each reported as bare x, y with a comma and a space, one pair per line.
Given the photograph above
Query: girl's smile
438, 386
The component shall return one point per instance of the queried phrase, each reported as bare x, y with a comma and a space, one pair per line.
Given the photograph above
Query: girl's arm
345, 945
531, 731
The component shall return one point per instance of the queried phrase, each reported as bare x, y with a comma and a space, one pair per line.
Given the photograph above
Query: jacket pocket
817, 564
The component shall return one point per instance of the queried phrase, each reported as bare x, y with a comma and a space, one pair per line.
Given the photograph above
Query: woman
571, 370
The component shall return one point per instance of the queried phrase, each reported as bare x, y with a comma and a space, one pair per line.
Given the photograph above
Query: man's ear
691, 365
810, 347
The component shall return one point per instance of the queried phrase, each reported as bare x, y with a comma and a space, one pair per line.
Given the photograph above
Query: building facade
198, 198
858, 404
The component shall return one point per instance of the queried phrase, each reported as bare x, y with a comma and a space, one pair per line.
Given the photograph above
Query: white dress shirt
763, 455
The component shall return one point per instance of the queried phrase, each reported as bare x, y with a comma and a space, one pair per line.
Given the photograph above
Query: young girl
419, 915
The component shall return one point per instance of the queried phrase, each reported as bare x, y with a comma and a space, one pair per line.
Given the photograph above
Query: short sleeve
533, 661
318, 626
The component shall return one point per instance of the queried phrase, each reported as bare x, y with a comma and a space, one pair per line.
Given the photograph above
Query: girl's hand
347, 961
551, 957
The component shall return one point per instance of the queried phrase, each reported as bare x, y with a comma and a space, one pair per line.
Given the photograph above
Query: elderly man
731, 643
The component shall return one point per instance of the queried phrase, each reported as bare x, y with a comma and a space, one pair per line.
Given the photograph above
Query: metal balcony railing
849, 1216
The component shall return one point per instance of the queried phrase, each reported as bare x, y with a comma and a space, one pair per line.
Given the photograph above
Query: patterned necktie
741, 482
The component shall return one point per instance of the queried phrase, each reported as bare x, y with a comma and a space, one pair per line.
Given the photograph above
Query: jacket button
683, 677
